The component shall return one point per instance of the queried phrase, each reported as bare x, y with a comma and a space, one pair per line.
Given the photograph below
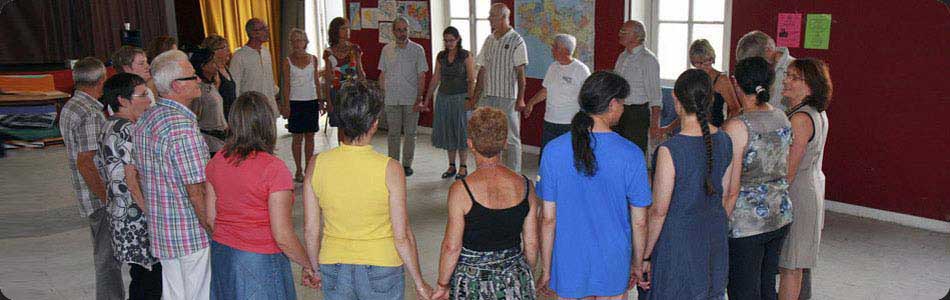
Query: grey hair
503, 9
701, 49
752, 44
402, 19
166, 68
567, 41
88, 72
298, 31
640, 31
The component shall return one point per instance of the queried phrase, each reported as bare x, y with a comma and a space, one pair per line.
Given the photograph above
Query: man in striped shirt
501, 77
170, 156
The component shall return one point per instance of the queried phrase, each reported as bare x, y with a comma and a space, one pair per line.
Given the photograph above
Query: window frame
472, 19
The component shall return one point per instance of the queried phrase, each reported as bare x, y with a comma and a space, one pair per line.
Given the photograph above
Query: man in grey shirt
757, 43
640, 121
501, 77
402, 66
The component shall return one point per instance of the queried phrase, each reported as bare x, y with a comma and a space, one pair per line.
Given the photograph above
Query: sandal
462, 174
450, 172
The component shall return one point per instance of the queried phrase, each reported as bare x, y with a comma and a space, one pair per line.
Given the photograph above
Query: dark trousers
550, 131
145, 284
635, 124
753, 264
108, 270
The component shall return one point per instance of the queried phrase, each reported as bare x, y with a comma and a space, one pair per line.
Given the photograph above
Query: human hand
541, 285
423, 291
285, 111
441, 293
526, 112
646, 274
520, 105
470, 104
636, 271
311, 278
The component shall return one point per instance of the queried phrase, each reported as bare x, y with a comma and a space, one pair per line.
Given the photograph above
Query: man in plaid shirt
80, 122
170, 156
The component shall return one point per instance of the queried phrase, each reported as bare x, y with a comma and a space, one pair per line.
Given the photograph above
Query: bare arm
316, 76
548, 224
403, 237
285, 88
738, 132
454, 229
802, 129
211, 198
312, 215
479, 87
522, 82
538, 97
359, 64
132, 181
729, 94
327, 74
639, 216
196, 194
434, 82
90, 175
663, 182
529, 234
471, 73
421, 89
382, 81
281, 205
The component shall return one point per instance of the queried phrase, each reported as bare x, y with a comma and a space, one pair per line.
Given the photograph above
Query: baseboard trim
888, 216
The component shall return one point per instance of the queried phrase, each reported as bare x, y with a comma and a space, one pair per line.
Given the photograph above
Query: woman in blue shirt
592, 181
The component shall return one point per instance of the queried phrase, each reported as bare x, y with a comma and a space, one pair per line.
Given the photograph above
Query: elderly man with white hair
501, 77
640, 121
403, 66
170, 156
757, 43
561, 85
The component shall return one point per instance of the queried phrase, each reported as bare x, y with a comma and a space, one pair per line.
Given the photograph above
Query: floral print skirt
495, 275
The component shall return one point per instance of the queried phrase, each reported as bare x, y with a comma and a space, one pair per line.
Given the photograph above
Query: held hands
285, 111
647, 274
441, 293
424, 291
311, 278
526, 112
541, 285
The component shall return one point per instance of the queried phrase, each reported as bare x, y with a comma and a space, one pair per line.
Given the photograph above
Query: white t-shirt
563, 83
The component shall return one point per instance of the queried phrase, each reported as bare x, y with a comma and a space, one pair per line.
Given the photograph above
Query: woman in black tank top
491, 239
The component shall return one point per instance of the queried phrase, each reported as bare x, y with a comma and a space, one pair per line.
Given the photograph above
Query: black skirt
304, 117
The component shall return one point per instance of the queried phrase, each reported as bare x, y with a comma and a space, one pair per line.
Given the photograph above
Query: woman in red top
250, 204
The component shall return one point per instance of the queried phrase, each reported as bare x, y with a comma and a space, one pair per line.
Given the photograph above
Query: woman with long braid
593, 182
687, 224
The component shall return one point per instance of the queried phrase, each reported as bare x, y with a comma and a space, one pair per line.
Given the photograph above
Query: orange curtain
227, 18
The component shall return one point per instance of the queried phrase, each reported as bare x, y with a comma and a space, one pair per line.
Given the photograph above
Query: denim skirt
237, 274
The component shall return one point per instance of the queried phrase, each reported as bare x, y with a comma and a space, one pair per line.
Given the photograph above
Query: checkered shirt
80, 122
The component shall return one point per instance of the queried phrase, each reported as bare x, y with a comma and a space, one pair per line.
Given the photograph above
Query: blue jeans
362, 282
237, 274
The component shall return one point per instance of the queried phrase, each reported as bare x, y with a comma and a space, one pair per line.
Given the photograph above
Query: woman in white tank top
299, 94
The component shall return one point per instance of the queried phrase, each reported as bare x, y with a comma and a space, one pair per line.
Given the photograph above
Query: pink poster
789, 33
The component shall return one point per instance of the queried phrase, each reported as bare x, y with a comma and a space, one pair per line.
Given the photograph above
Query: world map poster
538, 21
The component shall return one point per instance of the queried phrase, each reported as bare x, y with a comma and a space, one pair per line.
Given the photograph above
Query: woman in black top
725, 104
491, 239
222, 57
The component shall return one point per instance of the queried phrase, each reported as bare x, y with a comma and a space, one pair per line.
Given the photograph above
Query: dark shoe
450, 172
462, 173
407, 170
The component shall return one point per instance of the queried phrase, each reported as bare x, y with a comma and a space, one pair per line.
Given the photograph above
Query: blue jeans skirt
237, 274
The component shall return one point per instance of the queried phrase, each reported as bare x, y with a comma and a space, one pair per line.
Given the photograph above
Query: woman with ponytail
757, 203
593, 181
687, 225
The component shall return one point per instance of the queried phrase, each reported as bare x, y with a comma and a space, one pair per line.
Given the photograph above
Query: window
317, 17
674, 24
472, 23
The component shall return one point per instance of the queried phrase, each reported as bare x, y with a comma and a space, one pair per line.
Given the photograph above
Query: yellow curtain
227, 17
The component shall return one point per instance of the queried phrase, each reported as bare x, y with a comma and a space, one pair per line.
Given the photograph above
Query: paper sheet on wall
789, 30
387, 10
817, 31
386, 32
355, 23
418, 14
370, 18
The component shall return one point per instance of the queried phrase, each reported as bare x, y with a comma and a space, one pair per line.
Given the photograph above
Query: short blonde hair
300, 32
213, 42
701, 49
488, 131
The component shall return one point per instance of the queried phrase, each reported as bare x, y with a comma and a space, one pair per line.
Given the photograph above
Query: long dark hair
454, 32
252, 128
333, 34
595, 96
693, 89
815, 74
754, 76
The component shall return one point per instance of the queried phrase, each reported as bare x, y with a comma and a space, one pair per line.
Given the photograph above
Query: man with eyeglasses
170, 155
251, 67
757, 43
80, 123
640, 121
501, 77
403, 67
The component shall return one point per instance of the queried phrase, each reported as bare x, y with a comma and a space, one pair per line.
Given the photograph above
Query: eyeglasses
187, 78
144, 95
793, 76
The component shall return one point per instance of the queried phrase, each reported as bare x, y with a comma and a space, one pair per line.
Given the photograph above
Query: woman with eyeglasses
724, 105
209, 108
127, 95
222, 58
454, 76
807, 86
343, 61
299, 93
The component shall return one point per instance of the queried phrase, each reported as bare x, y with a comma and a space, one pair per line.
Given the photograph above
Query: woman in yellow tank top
365, 242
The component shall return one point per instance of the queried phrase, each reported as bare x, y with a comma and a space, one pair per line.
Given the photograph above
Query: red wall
888, 118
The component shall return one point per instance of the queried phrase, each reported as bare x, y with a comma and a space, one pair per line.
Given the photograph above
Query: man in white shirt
640, 121
402, 66
757, 43
501, 77
251, 66
561, 86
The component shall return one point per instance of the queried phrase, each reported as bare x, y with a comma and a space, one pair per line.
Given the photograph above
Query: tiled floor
45, 249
